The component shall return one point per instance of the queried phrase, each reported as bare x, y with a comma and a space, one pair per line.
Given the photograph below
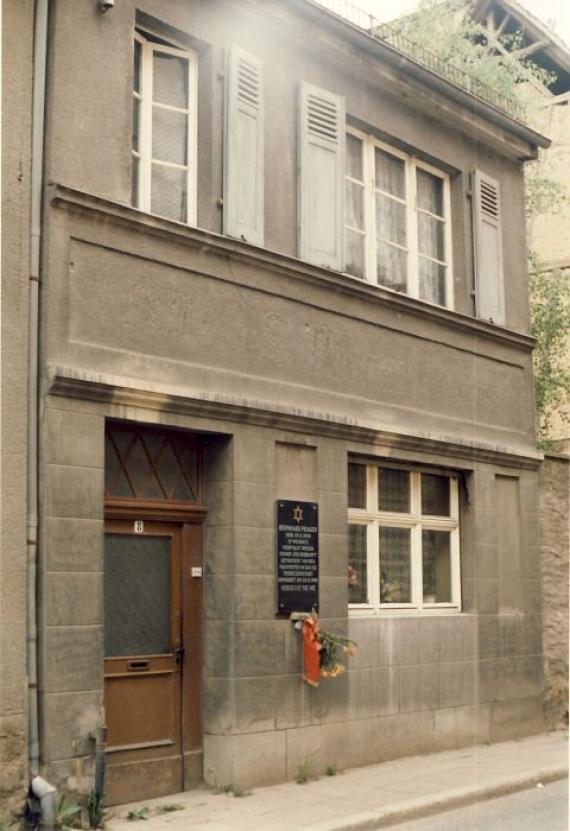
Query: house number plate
138, 526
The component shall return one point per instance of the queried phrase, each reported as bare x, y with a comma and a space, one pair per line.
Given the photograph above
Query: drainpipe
45, 793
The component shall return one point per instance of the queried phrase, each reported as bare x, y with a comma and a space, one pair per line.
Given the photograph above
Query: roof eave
418, 71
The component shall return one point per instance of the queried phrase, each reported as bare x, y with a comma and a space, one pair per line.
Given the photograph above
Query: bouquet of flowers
323, 651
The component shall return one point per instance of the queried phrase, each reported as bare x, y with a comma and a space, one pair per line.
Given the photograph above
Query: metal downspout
36, 187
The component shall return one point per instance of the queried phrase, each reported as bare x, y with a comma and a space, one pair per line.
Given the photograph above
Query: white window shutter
488, 248
321, 176
244, 147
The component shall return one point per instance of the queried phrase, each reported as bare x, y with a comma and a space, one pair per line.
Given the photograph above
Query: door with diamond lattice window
152, 611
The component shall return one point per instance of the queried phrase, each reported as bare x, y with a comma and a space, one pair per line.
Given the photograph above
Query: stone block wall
417, 684
555, 547
71, 609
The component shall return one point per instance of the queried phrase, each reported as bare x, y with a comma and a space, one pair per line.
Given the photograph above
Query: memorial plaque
297, 556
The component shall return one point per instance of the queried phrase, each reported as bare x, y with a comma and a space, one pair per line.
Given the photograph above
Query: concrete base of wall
13, 767
267, 758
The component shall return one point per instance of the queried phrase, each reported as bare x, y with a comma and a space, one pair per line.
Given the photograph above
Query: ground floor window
403, 539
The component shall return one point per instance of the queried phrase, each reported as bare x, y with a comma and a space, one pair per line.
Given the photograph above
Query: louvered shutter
487, 233
244, 147
321, 177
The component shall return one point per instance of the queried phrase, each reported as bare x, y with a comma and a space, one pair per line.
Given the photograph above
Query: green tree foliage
447, 28
550, 305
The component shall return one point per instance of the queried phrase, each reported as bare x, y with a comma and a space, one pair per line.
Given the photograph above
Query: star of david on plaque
298, 514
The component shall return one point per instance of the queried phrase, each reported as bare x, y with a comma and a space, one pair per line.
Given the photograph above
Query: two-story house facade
280, 260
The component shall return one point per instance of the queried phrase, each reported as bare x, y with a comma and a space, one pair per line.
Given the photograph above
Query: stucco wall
133, 297
285, 42
17, 20
555, 544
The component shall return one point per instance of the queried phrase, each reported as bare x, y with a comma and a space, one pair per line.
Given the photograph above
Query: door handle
179, 654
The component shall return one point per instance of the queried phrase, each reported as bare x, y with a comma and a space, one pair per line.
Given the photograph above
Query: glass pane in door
137, 589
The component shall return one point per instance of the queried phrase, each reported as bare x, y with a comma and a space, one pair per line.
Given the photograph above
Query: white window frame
373, 519
412, 164
144, 154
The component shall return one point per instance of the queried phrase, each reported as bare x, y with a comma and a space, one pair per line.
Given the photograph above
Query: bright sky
555, 13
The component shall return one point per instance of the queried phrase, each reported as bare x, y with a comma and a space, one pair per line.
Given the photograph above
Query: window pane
135, 182
355, 205
393, 490
390, 173
392, 266
356, 486
137, 595
170, 80
435, 495
430, 192
436, 559
357, 565
353, 157
169, 136
390, 219
136, 122
431, 236
168, 193
432, 281
395, 565
355, 253
137, 67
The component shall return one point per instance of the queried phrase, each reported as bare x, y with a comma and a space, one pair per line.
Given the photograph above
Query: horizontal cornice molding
72, 382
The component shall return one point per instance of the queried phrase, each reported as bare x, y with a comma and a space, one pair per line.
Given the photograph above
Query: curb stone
445, 801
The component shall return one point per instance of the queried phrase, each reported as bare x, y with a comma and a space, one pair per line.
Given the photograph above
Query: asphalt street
536, 809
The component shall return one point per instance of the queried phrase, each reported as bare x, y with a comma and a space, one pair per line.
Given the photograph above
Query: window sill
403, 612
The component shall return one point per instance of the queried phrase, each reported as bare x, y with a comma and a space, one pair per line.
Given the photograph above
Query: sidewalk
368, 797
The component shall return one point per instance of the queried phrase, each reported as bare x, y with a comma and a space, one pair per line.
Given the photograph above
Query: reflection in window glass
137, 67
436, 566
169, 136
394, 565
169, 193
392, 266
354, 205
430, 192
431, 237
390, 173
397, 228
435, 495
390, 220
357, 564
170, 80
393, 490
432, 281
412, 537
354, 253
353, 157
356, 486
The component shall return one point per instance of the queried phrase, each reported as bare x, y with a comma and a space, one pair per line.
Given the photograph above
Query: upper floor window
164, 129
397, 220
403, 540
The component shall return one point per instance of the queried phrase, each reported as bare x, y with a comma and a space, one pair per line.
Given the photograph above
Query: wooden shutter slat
321, 176
244, 128
488, 249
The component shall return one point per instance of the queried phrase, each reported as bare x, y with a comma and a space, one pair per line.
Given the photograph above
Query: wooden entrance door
143, 658
152, 627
